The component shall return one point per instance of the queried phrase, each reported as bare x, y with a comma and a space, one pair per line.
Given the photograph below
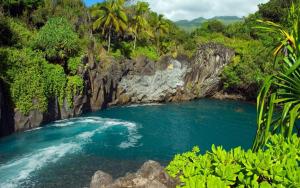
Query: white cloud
190, 9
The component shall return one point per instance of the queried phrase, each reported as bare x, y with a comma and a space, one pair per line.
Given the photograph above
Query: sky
191, 9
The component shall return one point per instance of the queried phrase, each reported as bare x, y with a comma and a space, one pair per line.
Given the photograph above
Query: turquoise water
117, 140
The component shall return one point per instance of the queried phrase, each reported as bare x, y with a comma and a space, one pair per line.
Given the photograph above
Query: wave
34, 129
18, 171
146, 104
30, 163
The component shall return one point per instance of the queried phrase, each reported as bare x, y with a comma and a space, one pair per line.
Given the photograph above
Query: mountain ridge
197, 22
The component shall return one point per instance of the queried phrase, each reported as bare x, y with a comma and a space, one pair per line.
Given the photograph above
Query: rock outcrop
121, 82
176, 80
150, 175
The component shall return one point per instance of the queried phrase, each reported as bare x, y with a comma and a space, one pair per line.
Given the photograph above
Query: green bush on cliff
57, 39
25, 73
55, 80
73, 64
74, 87
148, 51
32, 79
276, 166
13, 32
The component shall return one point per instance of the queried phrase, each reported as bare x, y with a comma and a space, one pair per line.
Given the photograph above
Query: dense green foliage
275, 166
57, 39
32, 79
74, 86
40, 63
278, 102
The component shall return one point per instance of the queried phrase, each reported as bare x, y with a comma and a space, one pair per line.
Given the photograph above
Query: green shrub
275, 166
22, 34
73, 64
57, 39
25, 73
74, 87
28, 90
148, 51
116, 54
55, 79
32, 79
14, 32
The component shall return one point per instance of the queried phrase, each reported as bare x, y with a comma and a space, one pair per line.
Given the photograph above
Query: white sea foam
104, 123
133, 136
146, 104
32, 162
34, 129
19, 170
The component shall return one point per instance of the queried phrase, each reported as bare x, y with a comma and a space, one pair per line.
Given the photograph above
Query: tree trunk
134, 43
109, 38
158, 44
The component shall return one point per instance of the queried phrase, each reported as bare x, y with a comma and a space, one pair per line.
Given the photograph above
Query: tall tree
110, 17
160, 27
139, 20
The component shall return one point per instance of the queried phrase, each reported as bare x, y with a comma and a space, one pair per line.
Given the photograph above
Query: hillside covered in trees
197, 22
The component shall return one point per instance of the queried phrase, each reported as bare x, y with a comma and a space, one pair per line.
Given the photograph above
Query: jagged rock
203, 78
150, 175
101, 180
24, 122
176, 79
156, 87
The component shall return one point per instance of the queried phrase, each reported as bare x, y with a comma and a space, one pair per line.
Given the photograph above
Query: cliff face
176, 79
139, 81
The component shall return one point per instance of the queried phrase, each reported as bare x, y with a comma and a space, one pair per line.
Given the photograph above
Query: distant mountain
193, 24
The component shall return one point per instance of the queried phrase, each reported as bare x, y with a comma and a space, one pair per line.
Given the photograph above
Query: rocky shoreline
150, 175
122, 82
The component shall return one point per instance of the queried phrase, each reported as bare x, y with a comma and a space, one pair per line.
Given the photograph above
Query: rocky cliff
175, 79
134, 81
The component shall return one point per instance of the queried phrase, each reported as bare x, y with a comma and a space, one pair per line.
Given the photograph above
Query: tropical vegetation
43, 45
278, 102
277, 165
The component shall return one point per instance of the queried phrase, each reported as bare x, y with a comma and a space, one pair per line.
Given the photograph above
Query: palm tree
278, 103
111, 17
161, 27
139, 20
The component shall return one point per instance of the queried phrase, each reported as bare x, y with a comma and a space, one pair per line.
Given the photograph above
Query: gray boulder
150, 175
101, 180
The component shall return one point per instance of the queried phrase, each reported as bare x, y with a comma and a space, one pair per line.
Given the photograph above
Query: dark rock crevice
6, 111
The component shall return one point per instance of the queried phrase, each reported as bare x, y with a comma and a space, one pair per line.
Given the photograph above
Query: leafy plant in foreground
278, 103
276, 166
